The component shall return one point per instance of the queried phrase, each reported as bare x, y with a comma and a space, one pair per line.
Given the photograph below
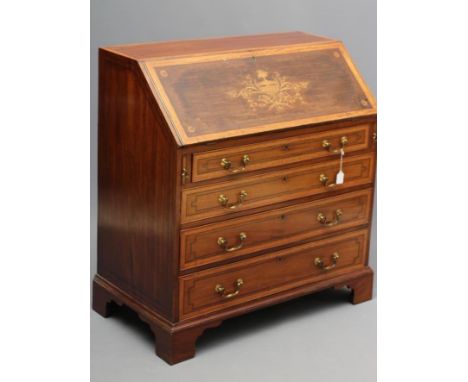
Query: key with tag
340, 174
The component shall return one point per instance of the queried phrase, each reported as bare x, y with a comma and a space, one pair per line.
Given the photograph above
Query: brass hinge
185, 174
374, 137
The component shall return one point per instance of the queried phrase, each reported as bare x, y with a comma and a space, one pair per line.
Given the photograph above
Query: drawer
242, 159
228, 197
233, 284
249, 234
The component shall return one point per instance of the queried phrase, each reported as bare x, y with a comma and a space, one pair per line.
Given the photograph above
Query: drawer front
239, 195
220, 163
245, 235
222, 287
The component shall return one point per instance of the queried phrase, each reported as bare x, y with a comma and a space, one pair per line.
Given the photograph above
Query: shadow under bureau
234, 173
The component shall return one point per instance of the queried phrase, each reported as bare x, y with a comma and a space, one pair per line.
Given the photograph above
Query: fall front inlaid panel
234, 93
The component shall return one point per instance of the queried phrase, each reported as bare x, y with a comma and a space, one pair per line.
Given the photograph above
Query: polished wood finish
185, 333
161, 217
199, 246
173, 343
207, 97
146, 51
362, 288
137, 162
273, 187
271, 273
270, 154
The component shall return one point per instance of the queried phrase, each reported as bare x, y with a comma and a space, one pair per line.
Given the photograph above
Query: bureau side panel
137, 220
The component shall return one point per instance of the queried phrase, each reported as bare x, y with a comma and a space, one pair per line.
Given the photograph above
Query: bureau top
234, 86
145, 51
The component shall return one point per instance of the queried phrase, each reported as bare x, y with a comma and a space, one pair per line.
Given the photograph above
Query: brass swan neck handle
318, 262
219, 289
224, 200
330, 223
222, 242
328, 146
227, 164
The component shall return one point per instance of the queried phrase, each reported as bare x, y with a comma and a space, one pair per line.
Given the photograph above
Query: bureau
234, 174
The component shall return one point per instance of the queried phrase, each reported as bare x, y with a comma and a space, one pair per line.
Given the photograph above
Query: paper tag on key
340, 174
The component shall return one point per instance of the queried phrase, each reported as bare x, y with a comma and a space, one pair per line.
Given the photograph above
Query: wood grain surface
169, 114
270, 274
274, 187
137, 198
277, 152
211, 96
199, 246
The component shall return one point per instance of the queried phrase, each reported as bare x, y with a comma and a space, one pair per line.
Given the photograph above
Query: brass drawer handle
325, 181
220, 289
327, 145
224, 200
222, 242
226, 164
329, 223
320, 264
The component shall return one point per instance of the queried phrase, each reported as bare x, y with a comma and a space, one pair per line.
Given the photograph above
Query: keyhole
285, 179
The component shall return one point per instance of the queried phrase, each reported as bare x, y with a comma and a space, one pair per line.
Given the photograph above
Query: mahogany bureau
234, 173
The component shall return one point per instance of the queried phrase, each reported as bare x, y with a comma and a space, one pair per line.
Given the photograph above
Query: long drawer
242, 159
237, 237
227, 198
222, 287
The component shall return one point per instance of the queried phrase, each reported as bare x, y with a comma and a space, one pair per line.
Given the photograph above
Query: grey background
319, 337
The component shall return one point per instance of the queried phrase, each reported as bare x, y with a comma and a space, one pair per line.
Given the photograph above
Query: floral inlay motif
271, 92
